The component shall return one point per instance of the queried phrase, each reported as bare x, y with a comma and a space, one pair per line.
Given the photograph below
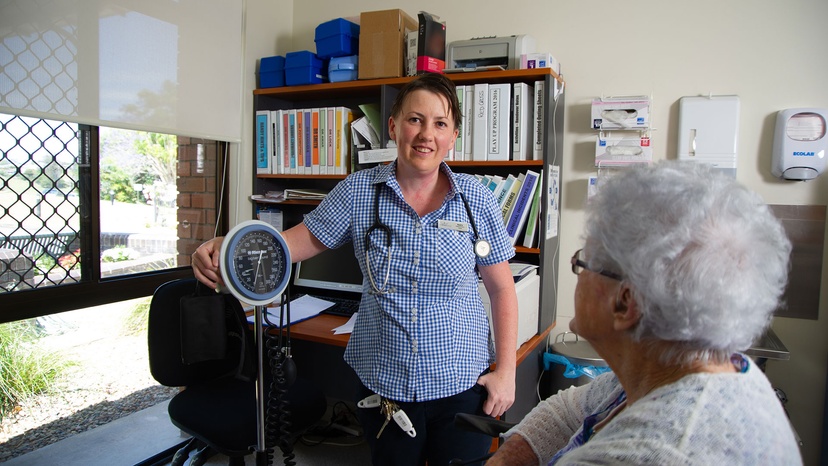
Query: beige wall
773, 54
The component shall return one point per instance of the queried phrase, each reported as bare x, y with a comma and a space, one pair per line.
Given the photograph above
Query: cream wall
773, 54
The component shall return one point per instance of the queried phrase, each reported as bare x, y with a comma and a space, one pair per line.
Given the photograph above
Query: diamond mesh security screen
39, 203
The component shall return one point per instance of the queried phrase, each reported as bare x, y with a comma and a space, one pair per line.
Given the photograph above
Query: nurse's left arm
500, 383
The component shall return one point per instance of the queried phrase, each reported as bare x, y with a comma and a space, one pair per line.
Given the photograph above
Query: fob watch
255, 262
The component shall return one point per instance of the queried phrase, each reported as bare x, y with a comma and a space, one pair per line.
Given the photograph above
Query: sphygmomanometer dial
255, 262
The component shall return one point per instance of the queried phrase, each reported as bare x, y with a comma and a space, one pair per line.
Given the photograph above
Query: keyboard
342, 306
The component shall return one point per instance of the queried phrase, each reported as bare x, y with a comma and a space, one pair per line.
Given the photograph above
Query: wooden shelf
367, 86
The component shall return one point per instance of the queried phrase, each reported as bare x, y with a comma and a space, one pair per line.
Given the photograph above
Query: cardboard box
431, 44
382, 42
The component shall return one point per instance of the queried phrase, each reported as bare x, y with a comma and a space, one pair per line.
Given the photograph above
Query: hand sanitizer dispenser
799, 143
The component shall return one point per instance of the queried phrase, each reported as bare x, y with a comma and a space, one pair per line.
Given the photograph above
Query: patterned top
427, 336
701, 419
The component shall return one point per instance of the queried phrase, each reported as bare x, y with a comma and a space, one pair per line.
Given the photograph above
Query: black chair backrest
166, 360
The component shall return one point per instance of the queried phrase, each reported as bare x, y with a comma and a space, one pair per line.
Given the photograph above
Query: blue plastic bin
304, 67
272, 72
337, 38
343, 69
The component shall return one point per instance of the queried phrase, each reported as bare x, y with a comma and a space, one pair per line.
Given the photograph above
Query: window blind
168, 66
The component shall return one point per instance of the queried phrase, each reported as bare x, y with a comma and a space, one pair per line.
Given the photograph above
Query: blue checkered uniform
428, 337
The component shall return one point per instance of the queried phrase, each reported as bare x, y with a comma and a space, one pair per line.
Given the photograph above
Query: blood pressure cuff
215, 335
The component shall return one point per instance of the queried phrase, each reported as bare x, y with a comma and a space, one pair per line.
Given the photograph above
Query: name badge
451, 225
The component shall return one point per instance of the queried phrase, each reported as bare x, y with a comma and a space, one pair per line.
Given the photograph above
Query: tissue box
621, 113
620, 149
337, 38
343, 68
381, 43
304, 68
272, 72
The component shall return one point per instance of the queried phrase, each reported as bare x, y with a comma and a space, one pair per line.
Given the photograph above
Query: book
468, 121
263, 142
531, 237
538, 122
330, 140
511, 196
300, 141
292, 143
522, 126
480, 122
285, 142
315, 141
504, 190
305, 193
343, 116
517, 218
494, 182
459, 149
307, 142
498, 146
278, 141
323, 137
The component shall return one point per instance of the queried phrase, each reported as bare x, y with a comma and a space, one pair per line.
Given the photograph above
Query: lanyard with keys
390, 410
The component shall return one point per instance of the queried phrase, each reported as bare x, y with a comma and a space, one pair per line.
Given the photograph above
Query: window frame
93, 290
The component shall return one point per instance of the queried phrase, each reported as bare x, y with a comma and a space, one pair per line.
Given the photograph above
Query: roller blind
168, 66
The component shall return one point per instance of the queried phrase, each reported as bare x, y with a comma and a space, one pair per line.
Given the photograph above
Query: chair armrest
482, 424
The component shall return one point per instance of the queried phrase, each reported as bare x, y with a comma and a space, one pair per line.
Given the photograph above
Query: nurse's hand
500, 386
205, 262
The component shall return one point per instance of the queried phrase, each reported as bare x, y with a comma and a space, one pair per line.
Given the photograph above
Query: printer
488, 53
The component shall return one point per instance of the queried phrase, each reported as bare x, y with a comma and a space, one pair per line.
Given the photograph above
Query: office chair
217, 405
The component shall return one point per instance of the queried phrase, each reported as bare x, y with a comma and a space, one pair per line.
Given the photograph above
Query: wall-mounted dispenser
799, 143
709, 131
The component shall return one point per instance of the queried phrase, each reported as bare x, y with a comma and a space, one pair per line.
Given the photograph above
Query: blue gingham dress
428, 336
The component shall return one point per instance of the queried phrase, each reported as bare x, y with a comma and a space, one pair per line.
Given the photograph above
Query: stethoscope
482, 248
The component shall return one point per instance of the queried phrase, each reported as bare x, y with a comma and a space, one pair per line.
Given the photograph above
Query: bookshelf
382, 92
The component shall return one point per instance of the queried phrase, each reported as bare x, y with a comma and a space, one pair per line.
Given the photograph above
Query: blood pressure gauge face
255, 262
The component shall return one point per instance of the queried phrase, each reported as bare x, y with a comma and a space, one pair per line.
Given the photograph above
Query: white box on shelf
528, 295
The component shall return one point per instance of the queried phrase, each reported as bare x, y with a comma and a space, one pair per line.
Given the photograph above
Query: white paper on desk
300, 309
347, 327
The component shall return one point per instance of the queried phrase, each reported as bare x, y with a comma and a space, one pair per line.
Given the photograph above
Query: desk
319, 329
319, 356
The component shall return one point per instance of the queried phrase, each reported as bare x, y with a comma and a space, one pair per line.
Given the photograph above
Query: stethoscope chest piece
482, 248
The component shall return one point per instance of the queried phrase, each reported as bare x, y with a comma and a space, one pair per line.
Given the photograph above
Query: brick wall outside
197, 196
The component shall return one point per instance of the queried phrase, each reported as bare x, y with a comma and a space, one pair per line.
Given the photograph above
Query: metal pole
261, 447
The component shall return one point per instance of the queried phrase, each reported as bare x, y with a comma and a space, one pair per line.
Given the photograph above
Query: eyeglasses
578, 266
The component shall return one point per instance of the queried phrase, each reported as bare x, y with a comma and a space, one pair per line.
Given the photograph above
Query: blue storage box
272, 72
304, 68
337, 38
343, 68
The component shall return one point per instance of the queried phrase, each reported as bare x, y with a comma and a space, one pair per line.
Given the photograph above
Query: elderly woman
681, 269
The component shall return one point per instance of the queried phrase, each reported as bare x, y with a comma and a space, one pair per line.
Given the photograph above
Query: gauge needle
258, 266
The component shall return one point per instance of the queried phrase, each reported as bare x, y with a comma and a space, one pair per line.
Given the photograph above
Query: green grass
25, 370
136, 321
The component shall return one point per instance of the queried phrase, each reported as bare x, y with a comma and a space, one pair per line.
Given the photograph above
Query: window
95, 215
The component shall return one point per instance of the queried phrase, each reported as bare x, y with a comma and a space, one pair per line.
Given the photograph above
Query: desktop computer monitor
331, 273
